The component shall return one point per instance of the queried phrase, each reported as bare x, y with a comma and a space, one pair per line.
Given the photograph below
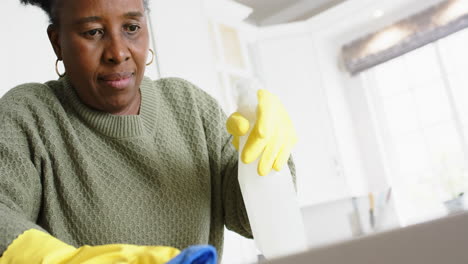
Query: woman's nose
116, 50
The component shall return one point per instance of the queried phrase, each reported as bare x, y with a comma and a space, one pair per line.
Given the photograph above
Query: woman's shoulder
188, 99
176, 83
181, 89
30, 94
29, 91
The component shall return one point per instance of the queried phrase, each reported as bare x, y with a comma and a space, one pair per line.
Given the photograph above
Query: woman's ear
53, 33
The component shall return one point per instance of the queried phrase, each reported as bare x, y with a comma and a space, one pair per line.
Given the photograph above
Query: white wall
183, 44
27, 55
290, 70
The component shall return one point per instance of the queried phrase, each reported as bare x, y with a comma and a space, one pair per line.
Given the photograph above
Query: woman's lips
116, 80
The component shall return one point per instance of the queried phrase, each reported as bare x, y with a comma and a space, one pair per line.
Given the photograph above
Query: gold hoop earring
152, 57
56, 69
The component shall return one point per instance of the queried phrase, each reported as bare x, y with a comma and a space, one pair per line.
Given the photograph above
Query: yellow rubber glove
272, 137
35, 246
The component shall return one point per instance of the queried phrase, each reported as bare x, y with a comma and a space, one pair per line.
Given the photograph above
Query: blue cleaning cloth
202, 254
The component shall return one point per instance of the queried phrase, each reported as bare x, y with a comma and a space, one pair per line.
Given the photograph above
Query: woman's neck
131, 109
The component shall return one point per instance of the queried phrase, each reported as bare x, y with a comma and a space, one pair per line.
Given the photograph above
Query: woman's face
104, 46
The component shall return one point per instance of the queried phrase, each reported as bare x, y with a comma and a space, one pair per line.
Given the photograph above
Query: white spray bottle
270, 200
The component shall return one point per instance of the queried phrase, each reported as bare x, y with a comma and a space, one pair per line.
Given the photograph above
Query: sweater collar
114, 125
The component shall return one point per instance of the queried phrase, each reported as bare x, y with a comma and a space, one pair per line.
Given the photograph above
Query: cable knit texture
165, 177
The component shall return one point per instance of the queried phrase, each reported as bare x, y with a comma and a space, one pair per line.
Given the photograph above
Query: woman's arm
34, 246
22, 240
20, 188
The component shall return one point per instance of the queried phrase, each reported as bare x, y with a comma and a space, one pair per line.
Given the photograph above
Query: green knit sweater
165, 177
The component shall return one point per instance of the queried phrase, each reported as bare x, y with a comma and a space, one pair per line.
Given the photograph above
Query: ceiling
272, 12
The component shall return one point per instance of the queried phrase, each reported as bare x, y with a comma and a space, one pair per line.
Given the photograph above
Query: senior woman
104, 159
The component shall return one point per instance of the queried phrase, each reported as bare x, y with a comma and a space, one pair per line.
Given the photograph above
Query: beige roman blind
406, 35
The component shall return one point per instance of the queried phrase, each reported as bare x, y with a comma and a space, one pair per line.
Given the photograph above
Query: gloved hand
272, 137
34, 246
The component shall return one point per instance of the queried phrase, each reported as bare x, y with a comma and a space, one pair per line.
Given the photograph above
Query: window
421, 101
231, 59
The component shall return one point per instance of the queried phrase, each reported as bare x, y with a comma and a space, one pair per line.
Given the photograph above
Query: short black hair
48, 7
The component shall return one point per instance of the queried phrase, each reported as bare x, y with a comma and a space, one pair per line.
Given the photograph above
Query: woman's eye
132, 28
93, 32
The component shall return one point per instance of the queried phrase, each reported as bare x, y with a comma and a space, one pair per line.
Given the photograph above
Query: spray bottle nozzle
246, 93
